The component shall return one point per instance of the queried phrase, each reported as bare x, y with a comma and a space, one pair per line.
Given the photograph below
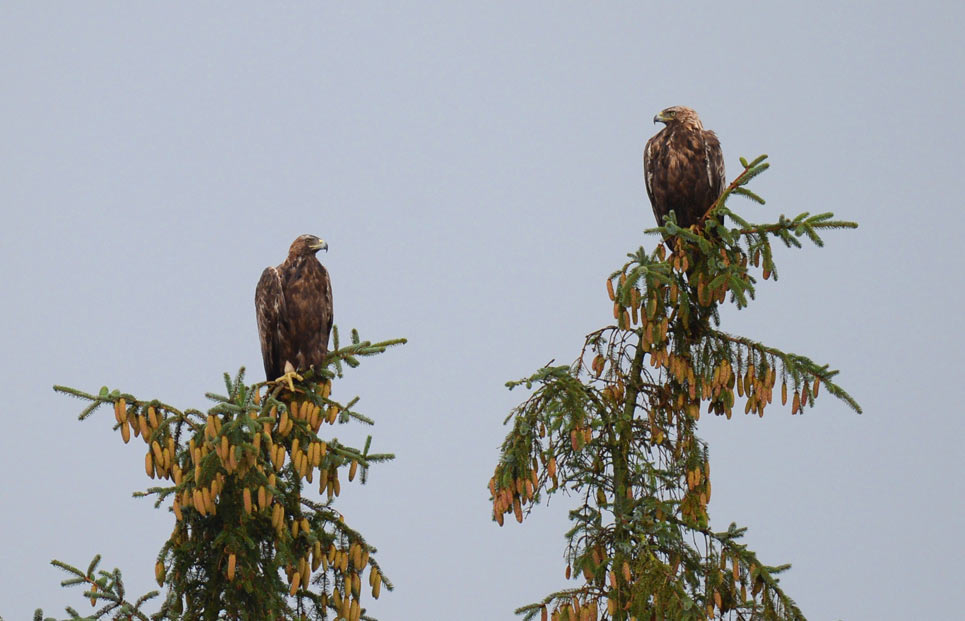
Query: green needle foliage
617, 428
250, 540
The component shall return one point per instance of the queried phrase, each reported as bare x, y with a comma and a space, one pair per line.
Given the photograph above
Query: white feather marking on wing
647, 170
710, 174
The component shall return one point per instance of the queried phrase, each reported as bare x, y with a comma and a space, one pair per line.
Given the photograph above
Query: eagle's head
307, 245
678, 115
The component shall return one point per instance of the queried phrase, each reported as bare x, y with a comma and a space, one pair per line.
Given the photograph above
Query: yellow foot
289, 376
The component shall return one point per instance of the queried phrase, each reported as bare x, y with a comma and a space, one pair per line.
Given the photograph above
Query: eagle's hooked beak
320, 245
659, 118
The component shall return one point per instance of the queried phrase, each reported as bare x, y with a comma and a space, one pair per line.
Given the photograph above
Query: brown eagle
293, 303
683, 167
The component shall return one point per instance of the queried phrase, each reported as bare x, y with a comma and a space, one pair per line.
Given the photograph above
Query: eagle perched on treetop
293, 302
683, 167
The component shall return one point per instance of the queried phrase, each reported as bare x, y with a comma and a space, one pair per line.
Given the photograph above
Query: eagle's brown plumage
683, 167
293, 303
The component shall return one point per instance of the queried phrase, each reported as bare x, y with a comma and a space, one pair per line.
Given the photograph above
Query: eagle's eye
671, 113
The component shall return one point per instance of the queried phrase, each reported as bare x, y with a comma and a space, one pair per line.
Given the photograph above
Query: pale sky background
477, 173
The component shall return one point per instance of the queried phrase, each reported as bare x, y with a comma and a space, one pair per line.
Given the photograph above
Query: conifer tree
618, 428
251, 539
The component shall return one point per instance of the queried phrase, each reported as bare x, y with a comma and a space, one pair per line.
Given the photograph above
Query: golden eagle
293, 303
683, 167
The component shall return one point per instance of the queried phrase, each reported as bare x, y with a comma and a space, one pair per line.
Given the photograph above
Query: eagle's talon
290, 375
288, 378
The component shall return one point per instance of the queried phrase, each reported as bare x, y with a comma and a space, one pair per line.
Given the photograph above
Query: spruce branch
800, 368
106, 587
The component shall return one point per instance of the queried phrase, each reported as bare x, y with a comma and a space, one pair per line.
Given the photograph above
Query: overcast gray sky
477, 173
